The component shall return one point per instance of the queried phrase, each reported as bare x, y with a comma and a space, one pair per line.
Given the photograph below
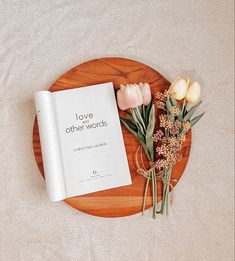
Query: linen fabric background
39, 41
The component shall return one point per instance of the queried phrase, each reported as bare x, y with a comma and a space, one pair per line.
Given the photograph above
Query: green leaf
138, 121
142, 142
135, 132
190, 113
147, 111
179, 118
149, 133
129, 125
183, 109
141, 137
196, 119
130, 118
140, 108
175, 103
168, 105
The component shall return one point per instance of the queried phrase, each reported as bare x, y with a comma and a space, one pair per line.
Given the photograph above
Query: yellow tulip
179, 88
194, 92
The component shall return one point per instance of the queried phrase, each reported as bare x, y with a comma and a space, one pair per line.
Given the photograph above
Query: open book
81, 141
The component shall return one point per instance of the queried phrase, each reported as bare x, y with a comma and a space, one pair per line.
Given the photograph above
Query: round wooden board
127, 200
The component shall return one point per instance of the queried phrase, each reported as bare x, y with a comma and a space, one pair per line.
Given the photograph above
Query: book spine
51, 154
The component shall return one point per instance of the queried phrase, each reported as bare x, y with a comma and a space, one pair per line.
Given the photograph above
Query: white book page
92, 147
51, 154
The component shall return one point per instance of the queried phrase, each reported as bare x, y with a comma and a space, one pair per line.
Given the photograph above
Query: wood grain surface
127, 200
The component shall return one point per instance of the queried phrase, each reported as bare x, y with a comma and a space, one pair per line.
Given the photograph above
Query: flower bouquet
162, 146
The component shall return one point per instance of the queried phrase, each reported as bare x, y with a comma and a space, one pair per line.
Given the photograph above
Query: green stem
164, 191
168, 188
145, 194
154, 186
144, 112
165, 195
138, 114
167, 199
154, 193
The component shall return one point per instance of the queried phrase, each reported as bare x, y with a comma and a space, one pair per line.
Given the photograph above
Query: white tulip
194, 92
179, 88
146, 93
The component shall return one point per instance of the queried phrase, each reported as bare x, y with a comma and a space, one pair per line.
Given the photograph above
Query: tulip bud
129, 96
133, 95
179, 88
194, 92
146, 93
121, 100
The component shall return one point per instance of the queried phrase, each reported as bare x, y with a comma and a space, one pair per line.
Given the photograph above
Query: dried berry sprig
175, 122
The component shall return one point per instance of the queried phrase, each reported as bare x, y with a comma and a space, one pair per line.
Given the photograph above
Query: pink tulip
121, 100
133, 96
146, 93
129, 96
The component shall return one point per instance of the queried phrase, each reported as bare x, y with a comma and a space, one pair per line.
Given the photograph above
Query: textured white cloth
40, 40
